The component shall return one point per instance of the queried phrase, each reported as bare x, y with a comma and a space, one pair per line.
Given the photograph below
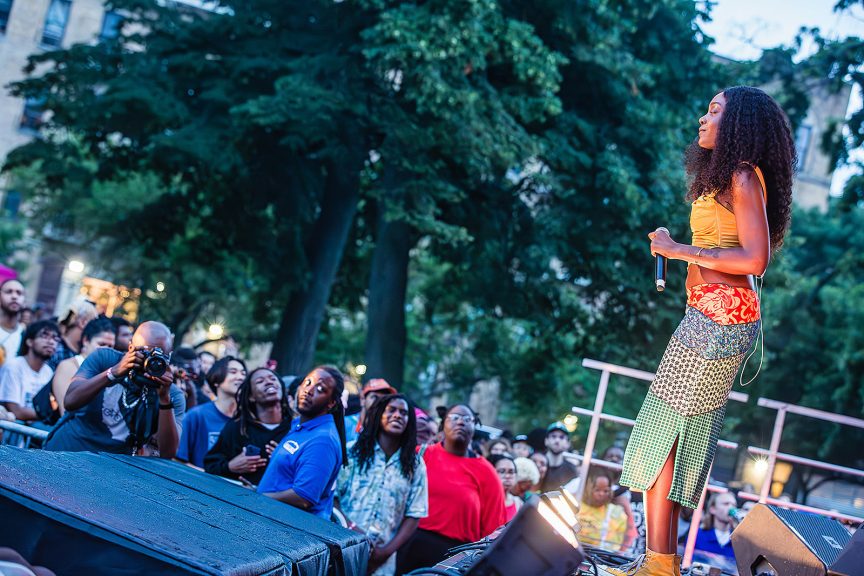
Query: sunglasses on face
466, 418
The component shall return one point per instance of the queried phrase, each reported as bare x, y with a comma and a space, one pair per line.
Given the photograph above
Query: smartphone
252, 450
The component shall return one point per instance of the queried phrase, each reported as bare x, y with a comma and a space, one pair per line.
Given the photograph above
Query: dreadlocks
364, 448
337, 411
755, 131
246, 412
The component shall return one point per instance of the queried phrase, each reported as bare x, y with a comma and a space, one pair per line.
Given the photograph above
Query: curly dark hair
364, 448
753, 130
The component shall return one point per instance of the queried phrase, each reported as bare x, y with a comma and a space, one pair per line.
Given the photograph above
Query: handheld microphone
660, 267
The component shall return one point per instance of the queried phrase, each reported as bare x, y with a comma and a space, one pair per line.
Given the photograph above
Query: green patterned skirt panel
687, 399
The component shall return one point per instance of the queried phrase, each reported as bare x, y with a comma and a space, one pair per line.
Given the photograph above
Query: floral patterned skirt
687, 399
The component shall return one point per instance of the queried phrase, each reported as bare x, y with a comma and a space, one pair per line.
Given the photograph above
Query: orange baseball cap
378, 385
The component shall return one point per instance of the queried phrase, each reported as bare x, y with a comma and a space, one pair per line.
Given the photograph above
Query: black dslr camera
155, 362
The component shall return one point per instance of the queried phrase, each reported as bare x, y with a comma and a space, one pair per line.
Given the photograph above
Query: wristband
110, 375
166, 406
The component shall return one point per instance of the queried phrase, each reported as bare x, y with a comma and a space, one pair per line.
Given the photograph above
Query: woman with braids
383, 490
262, 416
303, 469
741, 170
466, 501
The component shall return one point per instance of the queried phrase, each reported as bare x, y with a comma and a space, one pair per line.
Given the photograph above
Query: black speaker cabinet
781, 542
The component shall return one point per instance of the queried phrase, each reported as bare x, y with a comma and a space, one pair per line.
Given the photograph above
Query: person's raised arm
85, 386
60, 383
168, 434
751, 221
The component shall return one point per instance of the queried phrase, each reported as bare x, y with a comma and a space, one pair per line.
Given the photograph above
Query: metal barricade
597, 415
19, 434
772, 453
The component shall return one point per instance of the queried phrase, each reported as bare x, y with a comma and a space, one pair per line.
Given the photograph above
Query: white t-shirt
11, 341
19, 383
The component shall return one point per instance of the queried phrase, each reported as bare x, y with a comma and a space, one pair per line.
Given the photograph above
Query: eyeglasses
48, 335
466, 418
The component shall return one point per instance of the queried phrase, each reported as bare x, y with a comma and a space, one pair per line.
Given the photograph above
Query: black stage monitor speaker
780, 542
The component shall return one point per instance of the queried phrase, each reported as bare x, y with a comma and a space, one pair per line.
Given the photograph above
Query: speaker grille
825, 537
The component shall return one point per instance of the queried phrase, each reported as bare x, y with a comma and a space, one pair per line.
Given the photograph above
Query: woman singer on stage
740, 171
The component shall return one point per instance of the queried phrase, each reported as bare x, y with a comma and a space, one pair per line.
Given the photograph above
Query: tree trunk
388, 280
294, 347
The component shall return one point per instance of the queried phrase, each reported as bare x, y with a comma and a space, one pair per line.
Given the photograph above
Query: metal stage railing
18, 434
772, 453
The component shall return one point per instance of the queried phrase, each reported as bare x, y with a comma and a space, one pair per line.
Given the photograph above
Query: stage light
761, 466
540, 541
160, 286
215, 331
564, 507
76, 266
558, 523
360, 369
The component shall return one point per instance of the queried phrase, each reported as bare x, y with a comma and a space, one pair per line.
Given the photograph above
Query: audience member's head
11, 298
542, 462
459, 424
557, 438
98, 333
520, 447
498, 447
40, 340
374, 389
393, 416
505, 467
226, 376
527, 476
261, 390
80, 312
152, 334
123, 330
291, 384
427, 427
320, 393
717, 511
206, 360
614, 454
598, 489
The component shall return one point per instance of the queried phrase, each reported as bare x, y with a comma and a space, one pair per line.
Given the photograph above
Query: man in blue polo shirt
303, 469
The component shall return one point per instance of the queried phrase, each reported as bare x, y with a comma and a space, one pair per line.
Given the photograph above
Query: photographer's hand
164, 383
133, 359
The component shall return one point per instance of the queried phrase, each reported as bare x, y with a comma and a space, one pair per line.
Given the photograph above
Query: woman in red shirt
466, 501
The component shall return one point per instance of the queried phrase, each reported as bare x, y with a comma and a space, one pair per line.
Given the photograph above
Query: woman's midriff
698, 275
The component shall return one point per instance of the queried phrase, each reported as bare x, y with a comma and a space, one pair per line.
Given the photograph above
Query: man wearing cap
372, 390
560, 471
521, 447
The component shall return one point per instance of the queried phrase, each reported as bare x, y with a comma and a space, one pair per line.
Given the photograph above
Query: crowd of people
416, 484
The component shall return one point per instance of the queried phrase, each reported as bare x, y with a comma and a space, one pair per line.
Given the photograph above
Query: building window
34, 111
55, 23
110, 26
802, 144
5, 9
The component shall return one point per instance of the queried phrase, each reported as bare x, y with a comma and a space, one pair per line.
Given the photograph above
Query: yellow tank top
713, 225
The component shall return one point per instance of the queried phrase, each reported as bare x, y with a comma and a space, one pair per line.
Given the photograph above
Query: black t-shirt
99, 426
559, 476
231, 443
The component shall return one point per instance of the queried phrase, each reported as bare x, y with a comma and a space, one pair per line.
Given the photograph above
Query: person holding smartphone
262, 416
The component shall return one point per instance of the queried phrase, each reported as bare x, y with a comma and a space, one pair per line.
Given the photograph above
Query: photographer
118, 402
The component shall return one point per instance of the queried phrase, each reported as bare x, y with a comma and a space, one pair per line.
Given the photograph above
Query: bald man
113, 405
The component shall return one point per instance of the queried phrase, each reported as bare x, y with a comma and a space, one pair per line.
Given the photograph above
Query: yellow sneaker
649, 564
